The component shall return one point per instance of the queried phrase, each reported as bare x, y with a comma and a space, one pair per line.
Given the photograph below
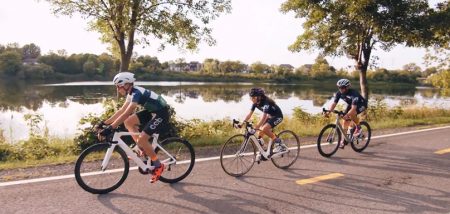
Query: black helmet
254, 92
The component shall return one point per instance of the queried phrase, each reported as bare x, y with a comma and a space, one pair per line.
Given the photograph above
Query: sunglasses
342, 87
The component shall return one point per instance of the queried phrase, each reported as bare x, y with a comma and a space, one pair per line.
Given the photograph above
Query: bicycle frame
341, 129
265, 153
117, 141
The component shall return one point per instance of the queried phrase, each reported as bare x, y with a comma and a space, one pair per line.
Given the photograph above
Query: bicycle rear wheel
285, 159
89, 173
184, 155
362, 140
237, 155
328, 141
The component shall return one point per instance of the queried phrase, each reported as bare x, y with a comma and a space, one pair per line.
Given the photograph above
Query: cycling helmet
343, 83
123, 77
256, 92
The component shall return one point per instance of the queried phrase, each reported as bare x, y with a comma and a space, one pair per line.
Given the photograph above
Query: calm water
62, 105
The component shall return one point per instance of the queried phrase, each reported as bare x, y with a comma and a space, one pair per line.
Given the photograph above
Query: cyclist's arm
333, 105
262, 121
249, 115
125, 114
117, 113
352, 111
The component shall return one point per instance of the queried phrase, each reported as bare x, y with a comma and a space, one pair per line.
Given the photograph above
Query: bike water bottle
261, 142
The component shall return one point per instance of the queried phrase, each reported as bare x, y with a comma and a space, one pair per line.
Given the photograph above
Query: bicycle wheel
285, 159
328, 141
362, 140
237, 155
89, 173
184, 155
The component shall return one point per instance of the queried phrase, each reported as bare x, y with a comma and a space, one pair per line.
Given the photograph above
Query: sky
255, 30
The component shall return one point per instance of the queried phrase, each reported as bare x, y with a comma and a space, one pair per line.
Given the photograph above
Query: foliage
355, 28
10, 62
441, 80
183, 23
38, 71
31, 51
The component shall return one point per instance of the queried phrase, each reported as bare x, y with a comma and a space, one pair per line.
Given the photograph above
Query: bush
35, 148
6, 150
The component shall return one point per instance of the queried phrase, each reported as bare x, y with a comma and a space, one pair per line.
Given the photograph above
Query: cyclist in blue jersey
155, 115
356, 104
272, 116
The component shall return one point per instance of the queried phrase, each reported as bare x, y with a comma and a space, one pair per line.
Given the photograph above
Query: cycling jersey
265, 107
352, 97
150, 100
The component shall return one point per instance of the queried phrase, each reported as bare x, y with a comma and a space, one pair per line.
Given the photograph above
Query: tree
321, 68
356, 28
31, 51
210, 66
260, 68
10, 62
174, 22
413, 69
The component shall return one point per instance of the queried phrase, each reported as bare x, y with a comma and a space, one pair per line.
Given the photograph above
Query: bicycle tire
366, 134
329, 141
291, 141
83, 177
231, 150
184, 154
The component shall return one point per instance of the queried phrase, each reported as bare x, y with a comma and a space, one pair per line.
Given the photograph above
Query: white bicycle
239, 153
109, 162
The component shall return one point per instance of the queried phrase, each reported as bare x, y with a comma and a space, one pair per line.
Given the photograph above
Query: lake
63, 104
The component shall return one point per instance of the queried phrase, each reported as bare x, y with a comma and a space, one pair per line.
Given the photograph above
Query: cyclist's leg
132, 124
269, 125
154, 126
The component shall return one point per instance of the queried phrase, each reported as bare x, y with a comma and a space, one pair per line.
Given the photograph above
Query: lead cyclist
155, 116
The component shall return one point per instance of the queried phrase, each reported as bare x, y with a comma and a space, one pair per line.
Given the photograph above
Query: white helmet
343, 83
123, 77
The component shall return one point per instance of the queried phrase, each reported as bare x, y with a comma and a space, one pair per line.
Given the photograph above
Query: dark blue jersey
150, 100
266, 107
352, 97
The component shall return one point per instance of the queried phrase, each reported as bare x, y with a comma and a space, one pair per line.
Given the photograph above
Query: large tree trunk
362, 64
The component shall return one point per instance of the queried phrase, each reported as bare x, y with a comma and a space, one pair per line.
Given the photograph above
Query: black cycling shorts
274, 121
359, 108
154, 121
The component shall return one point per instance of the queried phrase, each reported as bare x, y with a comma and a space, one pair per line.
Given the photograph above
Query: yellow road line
442, 151
319, 178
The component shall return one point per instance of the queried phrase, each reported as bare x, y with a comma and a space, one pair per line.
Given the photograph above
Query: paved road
397, 174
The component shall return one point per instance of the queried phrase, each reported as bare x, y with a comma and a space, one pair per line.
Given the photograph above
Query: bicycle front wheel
94, 178
292, 145
361, 141
178, 158
237, 155
328, 141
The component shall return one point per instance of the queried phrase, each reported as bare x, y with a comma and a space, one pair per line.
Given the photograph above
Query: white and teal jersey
150, 100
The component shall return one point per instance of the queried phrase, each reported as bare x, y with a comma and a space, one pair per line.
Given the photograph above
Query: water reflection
63, 104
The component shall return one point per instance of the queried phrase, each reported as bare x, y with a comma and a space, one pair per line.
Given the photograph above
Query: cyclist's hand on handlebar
99, 125
107, 131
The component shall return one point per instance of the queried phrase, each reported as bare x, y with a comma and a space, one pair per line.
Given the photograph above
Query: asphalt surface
397, 174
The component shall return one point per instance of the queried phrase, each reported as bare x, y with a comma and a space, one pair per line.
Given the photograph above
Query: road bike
331, 135
104, 166
241, 151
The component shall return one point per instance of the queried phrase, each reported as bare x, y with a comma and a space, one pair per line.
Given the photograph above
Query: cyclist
155, 115
356, 104
272, 116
